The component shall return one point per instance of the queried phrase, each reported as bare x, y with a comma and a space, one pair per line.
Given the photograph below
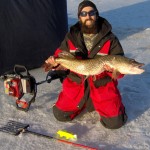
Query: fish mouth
138, 68
139, 65
136, 64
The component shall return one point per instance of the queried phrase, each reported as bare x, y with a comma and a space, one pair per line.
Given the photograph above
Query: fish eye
132, 60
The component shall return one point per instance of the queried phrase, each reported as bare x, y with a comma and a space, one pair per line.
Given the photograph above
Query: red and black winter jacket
106, 43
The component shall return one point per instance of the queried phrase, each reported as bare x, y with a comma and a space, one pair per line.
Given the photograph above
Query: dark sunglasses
90, 13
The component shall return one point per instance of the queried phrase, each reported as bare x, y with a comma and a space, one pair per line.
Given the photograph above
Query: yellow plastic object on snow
67, 135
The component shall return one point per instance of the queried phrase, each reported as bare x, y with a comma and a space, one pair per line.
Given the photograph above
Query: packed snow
131, 23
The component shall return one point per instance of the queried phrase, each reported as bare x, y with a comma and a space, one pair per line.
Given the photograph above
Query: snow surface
131, 23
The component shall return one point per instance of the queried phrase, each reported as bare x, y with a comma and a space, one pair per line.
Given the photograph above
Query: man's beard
89, 29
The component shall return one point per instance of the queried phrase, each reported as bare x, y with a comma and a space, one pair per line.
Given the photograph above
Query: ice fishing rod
17, 84
16, 128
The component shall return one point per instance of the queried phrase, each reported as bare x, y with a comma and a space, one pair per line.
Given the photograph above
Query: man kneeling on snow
89, 37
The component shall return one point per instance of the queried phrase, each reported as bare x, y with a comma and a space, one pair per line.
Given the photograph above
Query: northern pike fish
90, 67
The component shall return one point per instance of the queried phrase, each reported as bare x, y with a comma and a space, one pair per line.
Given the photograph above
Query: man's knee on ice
61, 115
114, 122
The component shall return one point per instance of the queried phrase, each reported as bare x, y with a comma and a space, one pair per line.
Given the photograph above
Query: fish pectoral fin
94, 77
86, 77
115, 74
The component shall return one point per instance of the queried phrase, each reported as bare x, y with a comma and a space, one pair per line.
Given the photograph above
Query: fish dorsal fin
65, 54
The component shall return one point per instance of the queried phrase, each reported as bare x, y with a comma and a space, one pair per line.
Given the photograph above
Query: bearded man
89, 37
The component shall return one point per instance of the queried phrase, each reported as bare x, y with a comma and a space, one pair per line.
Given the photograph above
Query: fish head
131, 66
135, 67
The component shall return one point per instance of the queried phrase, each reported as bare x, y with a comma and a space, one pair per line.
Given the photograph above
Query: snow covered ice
130, 20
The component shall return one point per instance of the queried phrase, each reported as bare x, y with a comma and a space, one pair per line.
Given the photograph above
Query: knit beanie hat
86, 3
